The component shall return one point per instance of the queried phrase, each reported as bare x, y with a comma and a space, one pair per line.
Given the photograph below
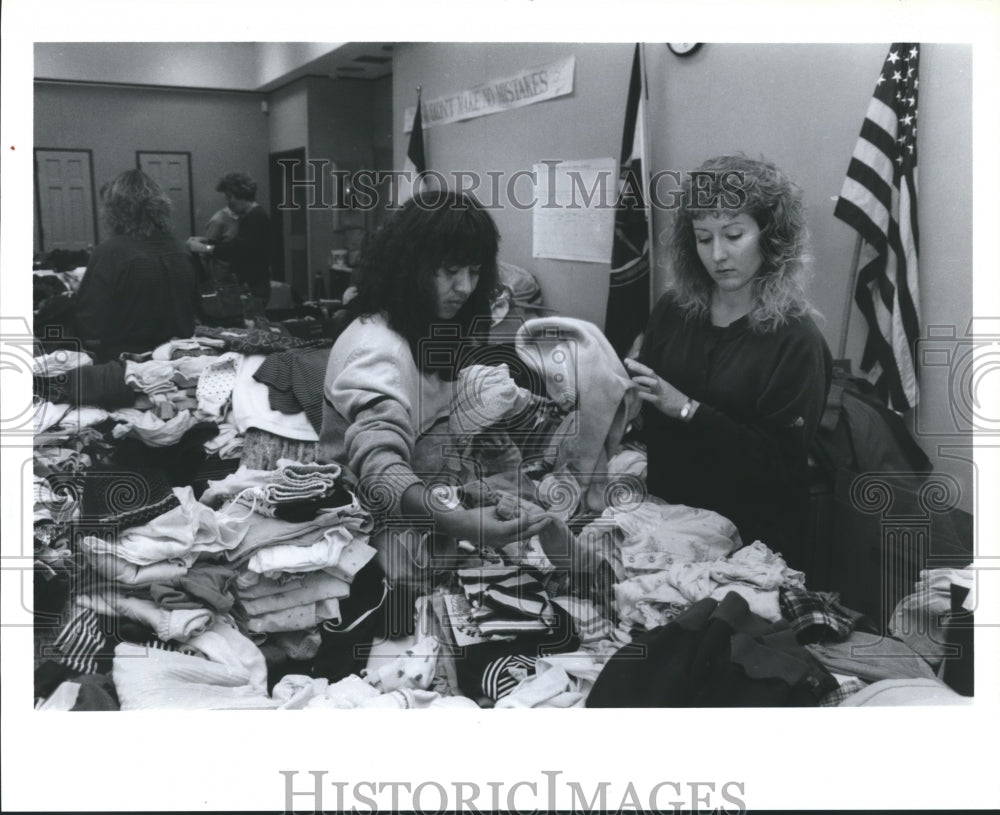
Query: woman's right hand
482, 525
655, 389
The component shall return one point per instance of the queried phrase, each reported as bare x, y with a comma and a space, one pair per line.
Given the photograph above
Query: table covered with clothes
181, 515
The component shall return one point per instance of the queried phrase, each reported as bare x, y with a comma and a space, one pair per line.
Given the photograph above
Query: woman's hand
482, 525
656, 390
198, 246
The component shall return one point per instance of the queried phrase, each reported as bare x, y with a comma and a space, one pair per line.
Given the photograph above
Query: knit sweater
136, 294
744, 452
382, 418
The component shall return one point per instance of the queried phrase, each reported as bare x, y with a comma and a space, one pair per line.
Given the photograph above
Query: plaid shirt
816, 616
845, 691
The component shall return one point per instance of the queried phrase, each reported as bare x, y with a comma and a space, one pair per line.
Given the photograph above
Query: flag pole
646, 167
845, 322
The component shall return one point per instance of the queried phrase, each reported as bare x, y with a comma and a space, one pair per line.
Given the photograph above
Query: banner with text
523, 88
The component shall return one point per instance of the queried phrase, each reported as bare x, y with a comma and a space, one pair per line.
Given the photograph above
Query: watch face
682, 49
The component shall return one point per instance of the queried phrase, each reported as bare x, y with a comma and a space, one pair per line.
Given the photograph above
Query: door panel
172, 171
290, 243
65, 189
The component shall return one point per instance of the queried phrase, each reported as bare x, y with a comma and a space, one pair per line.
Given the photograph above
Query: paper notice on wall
527, 87
574, 211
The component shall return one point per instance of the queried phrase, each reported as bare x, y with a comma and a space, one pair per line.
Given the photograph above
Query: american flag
879, 200
628, 296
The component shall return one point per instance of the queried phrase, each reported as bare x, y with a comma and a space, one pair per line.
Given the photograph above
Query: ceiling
238, 66
350, 60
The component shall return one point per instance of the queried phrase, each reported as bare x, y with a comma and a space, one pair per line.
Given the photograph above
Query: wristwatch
685, 413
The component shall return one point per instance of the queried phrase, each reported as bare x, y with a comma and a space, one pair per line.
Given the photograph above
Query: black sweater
249, 253
744, 452
136, 294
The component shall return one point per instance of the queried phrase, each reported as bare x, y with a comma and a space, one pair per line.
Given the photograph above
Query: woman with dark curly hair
140, 287
422, 309
733, 370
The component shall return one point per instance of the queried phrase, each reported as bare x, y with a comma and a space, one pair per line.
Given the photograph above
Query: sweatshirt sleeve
374, 392
788, 410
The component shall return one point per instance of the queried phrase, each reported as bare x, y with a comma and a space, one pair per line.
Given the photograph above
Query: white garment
295, 692
312, 588
48, 415
305, 617
686, 533
149, 377
180, 534
118, 570
59, 362
244, 477
652, 598
252, 407
325, 553
169, 624
232, 674
78, 418
561, 680
190, 344
216, 381
149, 428
227, 444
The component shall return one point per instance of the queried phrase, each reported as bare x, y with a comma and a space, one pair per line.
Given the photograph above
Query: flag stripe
866, 173
879, 113
873, 196
875, 138
879, 200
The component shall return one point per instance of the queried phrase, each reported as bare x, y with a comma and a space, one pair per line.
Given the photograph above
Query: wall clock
683, 49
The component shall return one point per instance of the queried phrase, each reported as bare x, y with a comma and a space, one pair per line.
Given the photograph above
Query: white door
65, 187
172, 171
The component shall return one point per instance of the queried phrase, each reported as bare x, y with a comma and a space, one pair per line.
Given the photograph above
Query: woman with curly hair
421, 311
733, 370
140, 287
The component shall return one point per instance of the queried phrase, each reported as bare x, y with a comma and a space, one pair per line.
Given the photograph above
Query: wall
340, 131
799, 105
585, 124
334, 119
288, 117
222, 131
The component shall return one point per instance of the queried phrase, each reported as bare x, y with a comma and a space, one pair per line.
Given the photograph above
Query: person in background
140, 287
422, 309
733, 370
222, 227
249, 252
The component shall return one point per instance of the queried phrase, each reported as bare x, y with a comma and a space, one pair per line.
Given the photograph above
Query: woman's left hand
656, 390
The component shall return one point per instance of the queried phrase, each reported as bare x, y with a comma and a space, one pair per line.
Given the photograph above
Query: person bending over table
425, 278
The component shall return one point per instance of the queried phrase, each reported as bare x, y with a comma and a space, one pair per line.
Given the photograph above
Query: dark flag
415, 162
879, 200
628, 295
